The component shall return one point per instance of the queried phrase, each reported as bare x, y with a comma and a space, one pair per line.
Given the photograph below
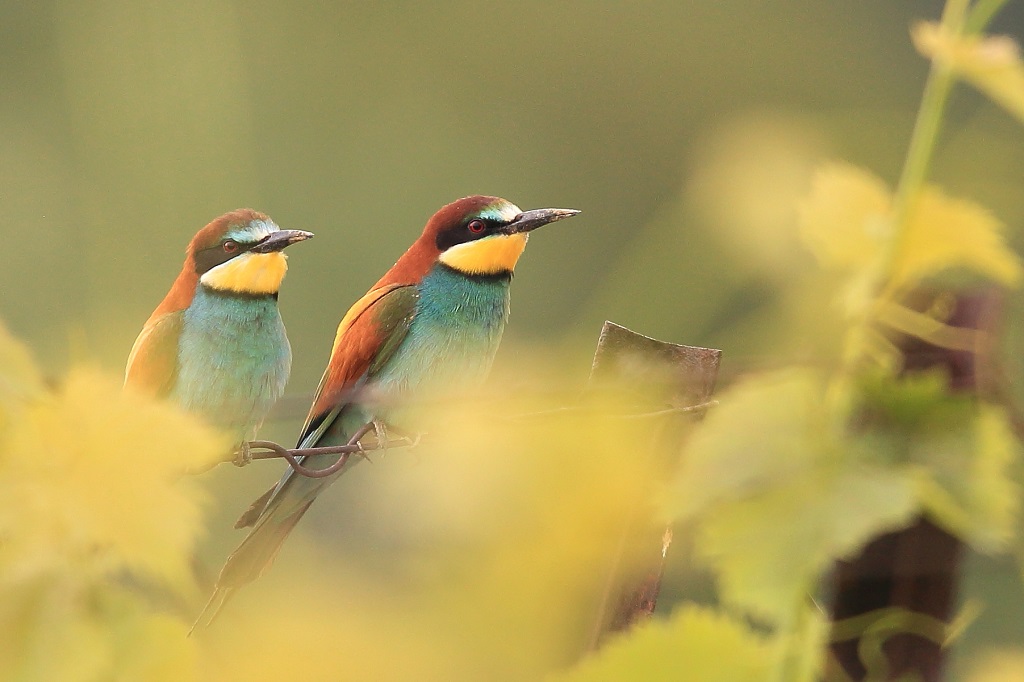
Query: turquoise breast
233, 359
451, 343
453, 337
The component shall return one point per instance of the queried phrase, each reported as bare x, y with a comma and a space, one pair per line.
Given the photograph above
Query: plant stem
922, 141
981, 14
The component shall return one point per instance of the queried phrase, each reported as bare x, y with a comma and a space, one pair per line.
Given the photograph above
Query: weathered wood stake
650, 374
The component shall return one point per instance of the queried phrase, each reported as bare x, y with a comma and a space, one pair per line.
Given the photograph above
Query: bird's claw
380, 430
243, 455
410, 441
388, 436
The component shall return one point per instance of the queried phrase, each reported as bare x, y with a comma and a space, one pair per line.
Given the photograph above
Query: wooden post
650, 375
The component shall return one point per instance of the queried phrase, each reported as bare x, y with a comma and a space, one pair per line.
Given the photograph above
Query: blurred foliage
799, 467
92, 493
705, 645
990, 63
99, 525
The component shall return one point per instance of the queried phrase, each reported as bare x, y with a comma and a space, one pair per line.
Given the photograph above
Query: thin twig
293, 455
273, 450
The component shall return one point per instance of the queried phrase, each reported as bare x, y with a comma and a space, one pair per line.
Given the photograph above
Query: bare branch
345, 451
272, 450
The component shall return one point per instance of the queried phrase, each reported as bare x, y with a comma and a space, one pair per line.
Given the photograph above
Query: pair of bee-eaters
216, 344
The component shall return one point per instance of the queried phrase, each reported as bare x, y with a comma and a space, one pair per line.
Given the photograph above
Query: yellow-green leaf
93, 472
48, 628
770, 549
764, 430
845, 220
779, 489
990, 63
943, 232
695, 645
962, 453
966, 480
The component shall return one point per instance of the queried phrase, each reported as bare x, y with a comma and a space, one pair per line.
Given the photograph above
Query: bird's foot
380, 430
408, 440
389, 436
243, 455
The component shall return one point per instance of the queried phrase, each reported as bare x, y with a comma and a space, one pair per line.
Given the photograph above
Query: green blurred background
685, 130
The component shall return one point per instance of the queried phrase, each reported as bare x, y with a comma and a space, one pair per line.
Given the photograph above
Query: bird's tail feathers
256, 553
251, 515
217, 601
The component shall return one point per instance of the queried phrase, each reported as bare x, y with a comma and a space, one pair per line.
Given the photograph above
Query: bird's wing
368, 335
153, 362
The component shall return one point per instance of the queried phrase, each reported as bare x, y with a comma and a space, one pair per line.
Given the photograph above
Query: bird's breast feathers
250, 273
233, 360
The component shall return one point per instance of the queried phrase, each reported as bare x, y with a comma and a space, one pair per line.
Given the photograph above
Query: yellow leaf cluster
696, 644
92, 471
96, 525
990, 63
847, 221
846, 218
497, 537
511, 535
943, 232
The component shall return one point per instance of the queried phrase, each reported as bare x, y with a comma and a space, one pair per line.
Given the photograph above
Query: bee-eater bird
433, 320
216, 344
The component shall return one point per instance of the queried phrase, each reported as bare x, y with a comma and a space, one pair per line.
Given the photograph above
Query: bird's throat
488, 256
250, 273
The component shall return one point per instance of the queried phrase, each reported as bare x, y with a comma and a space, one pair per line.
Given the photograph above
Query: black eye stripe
462, 233
212, 256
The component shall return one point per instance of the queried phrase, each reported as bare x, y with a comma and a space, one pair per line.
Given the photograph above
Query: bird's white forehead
253, 231
502, 212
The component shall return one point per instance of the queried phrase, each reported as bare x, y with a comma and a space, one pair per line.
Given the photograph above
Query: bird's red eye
230, 246
477, 226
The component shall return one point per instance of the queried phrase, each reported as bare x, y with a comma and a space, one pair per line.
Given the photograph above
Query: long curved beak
275, 241
531, 220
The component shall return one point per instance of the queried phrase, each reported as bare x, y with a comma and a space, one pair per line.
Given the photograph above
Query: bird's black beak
276, 241
531, 220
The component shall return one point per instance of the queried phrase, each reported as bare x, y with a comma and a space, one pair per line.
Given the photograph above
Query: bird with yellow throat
216, 344
435, 319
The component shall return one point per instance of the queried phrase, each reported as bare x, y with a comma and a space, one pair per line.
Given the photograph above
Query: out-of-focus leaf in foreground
94, 471
847, 221
990, 63
90, 493
499, 532
696, 645
962, 452
944, 232
760, 461
509, 527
